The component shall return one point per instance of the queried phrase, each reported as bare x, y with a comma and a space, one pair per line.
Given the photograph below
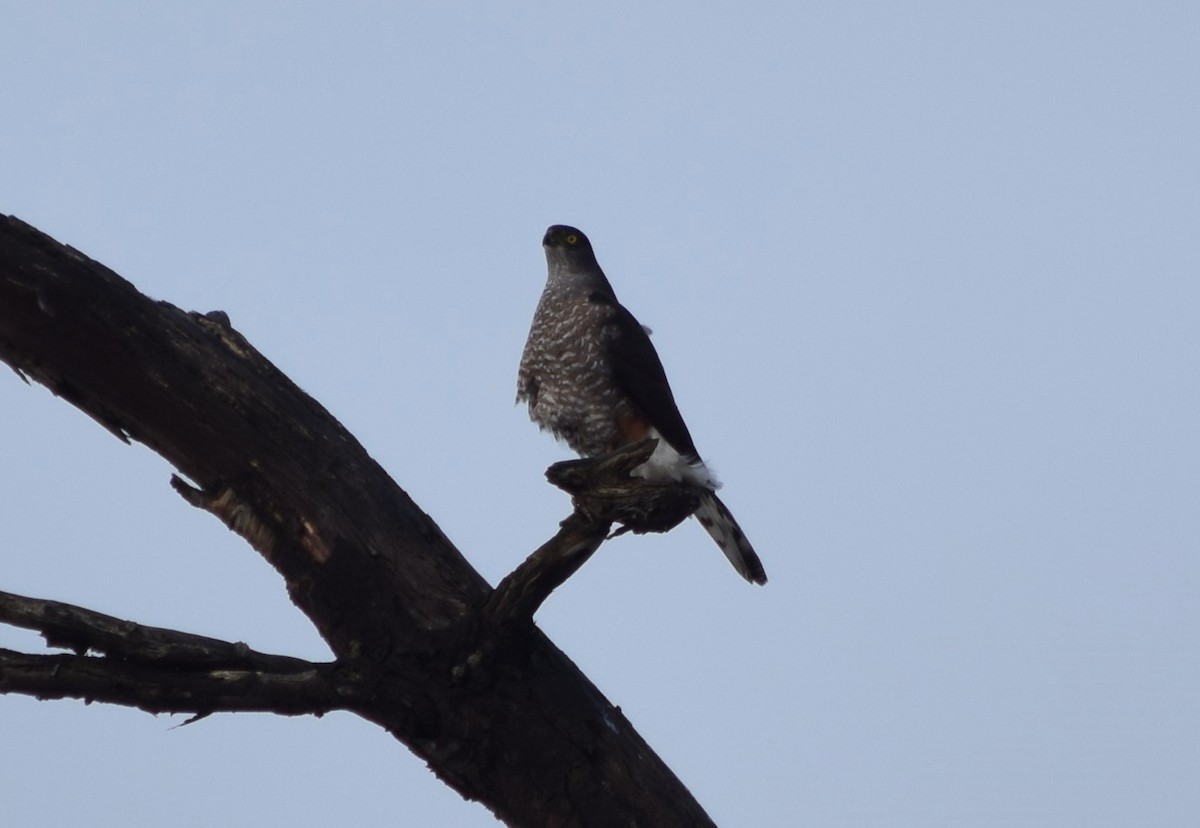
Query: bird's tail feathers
718, 522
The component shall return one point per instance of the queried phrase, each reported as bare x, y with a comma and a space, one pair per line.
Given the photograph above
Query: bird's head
567, 246
560, 235
572, 264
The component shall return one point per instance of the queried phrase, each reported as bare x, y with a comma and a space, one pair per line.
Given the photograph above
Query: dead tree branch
604, 491
158, 670
503, 718
179, 690
83, 630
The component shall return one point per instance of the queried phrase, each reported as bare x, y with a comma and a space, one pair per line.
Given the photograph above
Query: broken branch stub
605, 489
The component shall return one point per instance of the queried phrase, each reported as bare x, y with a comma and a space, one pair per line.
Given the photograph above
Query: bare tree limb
497, 711
604, 492
158, 690
520, 594
159, 670
84, 630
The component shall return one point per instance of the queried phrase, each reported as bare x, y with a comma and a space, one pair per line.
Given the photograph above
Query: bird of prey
592, 377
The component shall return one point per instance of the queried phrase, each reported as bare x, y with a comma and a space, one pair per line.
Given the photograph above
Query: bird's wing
639, 371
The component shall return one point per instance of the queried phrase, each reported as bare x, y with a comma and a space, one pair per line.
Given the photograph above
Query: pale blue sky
926, 281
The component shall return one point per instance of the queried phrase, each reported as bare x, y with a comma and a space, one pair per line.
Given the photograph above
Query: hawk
591, 376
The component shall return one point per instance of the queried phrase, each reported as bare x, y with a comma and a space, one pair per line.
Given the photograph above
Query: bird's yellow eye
572, 238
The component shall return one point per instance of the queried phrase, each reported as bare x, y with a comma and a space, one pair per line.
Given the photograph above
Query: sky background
925, 278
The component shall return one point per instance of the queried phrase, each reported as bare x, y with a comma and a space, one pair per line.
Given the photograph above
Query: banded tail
718, 522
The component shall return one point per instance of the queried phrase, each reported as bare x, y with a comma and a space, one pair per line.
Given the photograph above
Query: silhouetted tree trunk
423, 646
